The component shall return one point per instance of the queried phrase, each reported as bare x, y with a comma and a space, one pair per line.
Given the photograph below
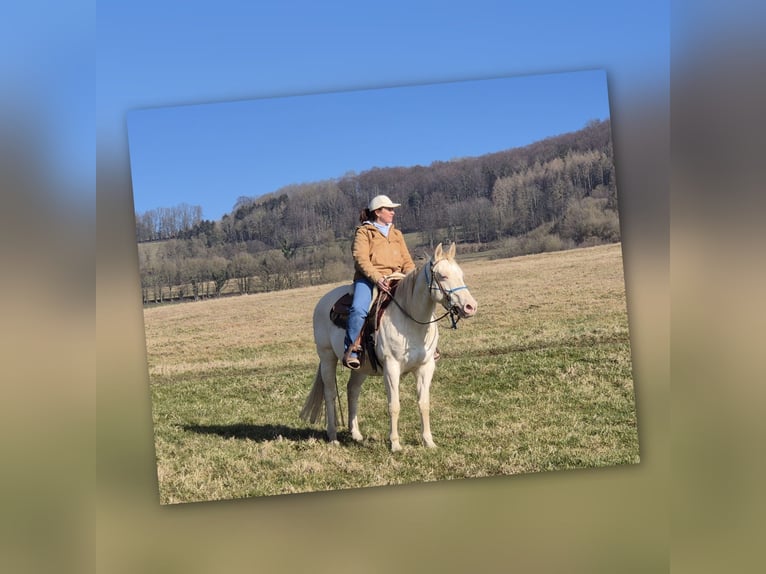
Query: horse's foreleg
423, 378
327, 367
353, 388
391, 374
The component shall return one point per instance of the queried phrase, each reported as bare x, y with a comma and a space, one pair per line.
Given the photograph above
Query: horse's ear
452, 249
438, 253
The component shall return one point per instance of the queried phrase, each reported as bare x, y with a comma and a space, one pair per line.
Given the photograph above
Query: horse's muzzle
467, 309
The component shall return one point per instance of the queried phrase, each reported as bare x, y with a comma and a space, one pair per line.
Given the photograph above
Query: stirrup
350, 362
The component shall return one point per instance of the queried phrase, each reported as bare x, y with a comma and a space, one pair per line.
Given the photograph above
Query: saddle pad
339, 311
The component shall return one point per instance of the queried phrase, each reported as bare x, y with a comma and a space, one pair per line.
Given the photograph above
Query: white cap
381, 201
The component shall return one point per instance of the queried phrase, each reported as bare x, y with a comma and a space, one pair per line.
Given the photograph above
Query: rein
452, 310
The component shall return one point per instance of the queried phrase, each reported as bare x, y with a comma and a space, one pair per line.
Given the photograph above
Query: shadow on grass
268, 433
258, 433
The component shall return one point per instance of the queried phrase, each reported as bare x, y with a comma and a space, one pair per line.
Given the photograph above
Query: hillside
555, 194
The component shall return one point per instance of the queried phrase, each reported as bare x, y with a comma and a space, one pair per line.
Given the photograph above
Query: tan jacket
376, 255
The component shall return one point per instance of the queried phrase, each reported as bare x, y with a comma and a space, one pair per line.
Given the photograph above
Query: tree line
167, 222
557, 193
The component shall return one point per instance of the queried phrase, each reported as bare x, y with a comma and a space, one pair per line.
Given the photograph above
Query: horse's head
447, 285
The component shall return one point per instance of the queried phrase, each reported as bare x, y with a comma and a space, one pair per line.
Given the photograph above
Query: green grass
539, 380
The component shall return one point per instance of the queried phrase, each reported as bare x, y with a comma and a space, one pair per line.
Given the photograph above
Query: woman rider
378, 251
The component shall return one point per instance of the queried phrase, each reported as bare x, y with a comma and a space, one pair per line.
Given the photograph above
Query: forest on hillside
558, 193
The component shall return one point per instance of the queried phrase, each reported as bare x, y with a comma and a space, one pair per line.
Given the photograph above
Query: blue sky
200, 88
211, 154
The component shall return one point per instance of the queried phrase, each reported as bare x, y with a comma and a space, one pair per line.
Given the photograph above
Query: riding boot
351, 356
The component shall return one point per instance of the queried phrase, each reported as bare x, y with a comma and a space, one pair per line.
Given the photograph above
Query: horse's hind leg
353, 389
327, 365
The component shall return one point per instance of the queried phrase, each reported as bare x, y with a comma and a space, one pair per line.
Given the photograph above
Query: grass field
539, 380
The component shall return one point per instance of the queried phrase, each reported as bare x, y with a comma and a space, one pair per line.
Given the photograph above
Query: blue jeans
358, 312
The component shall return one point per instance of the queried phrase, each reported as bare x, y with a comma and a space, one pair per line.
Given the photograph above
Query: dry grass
539, 380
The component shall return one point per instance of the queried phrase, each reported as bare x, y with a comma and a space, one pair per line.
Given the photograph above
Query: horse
405, 342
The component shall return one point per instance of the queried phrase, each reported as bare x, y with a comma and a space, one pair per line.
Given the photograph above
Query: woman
378, 251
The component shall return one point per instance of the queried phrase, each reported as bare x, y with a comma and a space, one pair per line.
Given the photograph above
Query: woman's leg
357, 315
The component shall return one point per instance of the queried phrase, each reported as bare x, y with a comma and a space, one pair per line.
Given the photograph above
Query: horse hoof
396, 447
430, 444
358, 437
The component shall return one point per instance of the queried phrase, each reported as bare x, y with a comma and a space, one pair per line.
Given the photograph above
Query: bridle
439, 287
446, 300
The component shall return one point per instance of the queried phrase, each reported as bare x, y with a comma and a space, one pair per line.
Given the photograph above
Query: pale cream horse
405, 343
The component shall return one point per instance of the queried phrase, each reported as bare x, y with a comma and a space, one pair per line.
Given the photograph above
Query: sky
206, 103
212, 154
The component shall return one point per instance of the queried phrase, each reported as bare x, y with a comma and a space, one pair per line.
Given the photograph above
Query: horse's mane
406, 288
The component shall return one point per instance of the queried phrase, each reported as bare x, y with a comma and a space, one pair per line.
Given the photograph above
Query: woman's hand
383, 284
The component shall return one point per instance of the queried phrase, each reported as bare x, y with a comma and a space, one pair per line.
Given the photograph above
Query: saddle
365, 344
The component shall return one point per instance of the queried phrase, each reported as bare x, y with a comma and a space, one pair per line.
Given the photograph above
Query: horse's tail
314, 405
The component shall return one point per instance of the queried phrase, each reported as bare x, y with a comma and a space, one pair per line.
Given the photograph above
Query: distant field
539, 380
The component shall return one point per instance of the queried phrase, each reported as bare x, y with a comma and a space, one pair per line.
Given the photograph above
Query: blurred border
579, 521
718, 318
